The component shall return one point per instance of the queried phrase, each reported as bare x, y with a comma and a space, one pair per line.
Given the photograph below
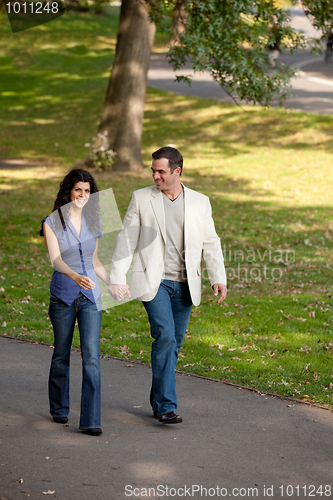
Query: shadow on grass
230, 130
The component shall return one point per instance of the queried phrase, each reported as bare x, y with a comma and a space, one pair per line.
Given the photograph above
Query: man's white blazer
144, 231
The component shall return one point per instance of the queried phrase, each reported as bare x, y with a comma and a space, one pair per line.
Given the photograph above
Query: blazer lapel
187, 215
158, 207
186, 211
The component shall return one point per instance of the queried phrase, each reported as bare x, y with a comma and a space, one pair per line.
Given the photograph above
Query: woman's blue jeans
63, 321
168, 314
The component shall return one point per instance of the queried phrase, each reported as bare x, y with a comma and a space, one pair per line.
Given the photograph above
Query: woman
71, 234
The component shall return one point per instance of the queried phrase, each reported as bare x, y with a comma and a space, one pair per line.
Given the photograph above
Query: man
172, 227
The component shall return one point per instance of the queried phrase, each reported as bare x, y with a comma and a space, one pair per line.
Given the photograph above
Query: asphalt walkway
313, 85
232, 442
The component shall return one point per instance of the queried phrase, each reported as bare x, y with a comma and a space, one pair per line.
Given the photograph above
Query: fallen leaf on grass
243, 348
235, 357
123, 349
305, 349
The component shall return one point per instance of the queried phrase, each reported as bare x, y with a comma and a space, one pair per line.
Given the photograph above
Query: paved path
230, 438
313, 86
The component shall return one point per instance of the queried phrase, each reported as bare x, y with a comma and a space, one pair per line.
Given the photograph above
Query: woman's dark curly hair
90, 211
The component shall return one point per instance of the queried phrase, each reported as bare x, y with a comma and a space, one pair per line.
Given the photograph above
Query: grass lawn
268, 174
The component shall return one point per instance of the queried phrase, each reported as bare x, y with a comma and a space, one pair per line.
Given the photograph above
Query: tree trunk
98, 7
179, 20
123, 110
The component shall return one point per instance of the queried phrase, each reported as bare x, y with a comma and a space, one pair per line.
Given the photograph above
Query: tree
231, 40
228, 38
122, 115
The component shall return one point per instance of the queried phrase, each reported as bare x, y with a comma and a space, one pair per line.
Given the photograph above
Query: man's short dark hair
172, 154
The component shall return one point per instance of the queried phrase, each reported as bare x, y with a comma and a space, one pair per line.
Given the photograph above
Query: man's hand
218, 287
118, 291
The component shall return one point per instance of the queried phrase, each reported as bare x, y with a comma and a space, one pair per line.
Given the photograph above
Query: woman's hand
84, 282
118, 291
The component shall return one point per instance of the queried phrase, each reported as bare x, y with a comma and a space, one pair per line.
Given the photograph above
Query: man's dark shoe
59, 419
93, 431
170, 418
155, 413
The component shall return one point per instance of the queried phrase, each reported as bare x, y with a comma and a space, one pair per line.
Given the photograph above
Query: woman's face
80, 194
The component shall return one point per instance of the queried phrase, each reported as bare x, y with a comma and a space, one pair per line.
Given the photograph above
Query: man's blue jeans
63, 321
168, 314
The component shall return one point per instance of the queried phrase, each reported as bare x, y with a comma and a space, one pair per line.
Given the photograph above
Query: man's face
164, 179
